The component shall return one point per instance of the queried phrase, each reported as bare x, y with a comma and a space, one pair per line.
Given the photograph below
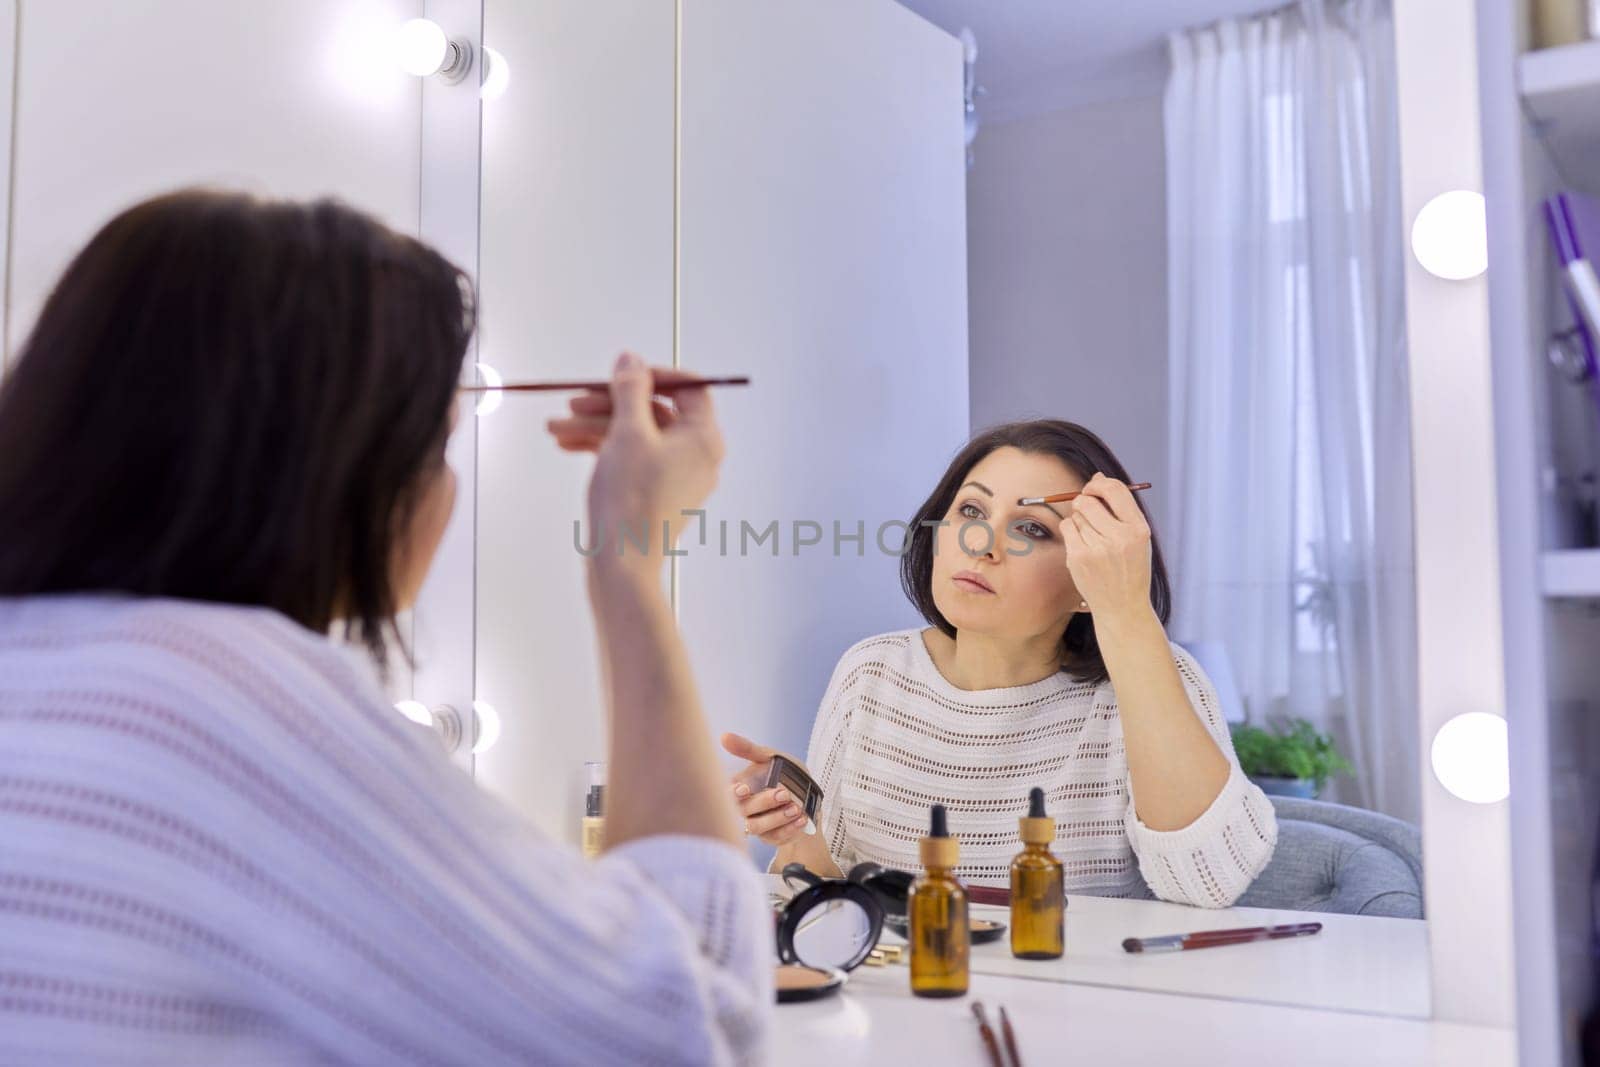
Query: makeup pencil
569, 387
1010, 1037
1057, 498
990, 1045
1214, 938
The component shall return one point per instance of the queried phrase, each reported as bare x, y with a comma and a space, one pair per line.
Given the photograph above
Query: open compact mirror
825, 930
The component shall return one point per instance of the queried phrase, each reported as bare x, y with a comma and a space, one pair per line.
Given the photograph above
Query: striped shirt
220, 844
893, 737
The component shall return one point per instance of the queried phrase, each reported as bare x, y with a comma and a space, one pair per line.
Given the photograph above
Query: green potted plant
1295, 760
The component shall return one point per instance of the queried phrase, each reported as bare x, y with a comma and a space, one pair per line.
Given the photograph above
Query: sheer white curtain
1291, 440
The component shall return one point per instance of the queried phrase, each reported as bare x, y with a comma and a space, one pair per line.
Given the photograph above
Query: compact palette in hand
799, 784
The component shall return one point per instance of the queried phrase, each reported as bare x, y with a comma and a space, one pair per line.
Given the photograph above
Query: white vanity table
1360, 984
1360, 964
875, 1020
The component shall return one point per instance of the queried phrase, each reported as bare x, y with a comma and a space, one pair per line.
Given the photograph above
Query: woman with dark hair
224, 438
1045, 663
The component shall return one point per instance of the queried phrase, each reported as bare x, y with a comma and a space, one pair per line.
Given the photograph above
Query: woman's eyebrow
990, 492
1052, 510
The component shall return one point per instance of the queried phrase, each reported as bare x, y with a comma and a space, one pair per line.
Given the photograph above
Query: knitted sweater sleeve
1213, 860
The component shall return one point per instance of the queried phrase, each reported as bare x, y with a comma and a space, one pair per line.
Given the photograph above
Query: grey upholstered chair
1333, 858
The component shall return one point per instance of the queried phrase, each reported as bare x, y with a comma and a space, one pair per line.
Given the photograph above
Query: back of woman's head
232, 400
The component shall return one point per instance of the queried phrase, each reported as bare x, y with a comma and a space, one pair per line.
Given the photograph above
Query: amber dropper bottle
1038, 901
938, 907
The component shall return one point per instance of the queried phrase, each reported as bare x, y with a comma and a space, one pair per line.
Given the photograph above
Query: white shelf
1573, 572
1561, 89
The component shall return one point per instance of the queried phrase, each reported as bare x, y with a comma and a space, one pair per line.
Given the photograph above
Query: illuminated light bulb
421, 47
1470, 757
1450, 236
496, 74
416, 711
488, 402
488, 726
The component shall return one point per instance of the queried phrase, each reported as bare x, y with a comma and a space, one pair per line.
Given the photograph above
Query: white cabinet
1540, 136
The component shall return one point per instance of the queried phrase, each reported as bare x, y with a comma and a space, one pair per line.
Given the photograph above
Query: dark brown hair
232, 400
1084, 454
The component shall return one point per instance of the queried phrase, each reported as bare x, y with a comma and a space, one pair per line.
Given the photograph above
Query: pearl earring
1083, 605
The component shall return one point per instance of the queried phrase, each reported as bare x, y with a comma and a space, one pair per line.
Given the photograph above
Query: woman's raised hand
770, 814
1108, 548
654, 460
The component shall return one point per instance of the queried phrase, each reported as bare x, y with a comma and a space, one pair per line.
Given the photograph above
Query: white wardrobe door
823, 252
576, 265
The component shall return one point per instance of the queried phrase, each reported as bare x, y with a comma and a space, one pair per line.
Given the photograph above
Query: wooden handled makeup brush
563, 387
1057, 498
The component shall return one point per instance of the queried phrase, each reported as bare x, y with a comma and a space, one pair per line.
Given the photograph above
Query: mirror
834, 934
1203, 271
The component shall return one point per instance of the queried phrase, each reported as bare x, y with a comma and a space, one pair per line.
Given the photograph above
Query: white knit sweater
893, 737
219, 844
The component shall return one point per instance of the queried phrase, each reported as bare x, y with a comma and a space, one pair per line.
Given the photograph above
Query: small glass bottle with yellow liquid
1038, 899
594, 816
938, 910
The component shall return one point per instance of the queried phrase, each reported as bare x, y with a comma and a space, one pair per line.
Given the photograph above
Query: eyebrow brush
560, 387
1057, 498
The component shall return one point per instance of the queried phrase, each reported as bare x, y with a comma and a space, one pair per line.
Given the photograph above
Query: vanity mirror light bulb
1450, 236
1470, 757
488, 402
416, 711
496, 74
488, 729
421, 47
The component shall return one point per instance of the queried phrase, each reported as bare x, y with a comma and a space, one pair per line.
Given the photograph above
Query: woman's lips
973, 581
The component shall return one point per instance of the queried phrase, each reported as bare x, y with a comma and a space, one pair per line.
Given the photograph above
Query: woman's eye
970, 511
1033, 530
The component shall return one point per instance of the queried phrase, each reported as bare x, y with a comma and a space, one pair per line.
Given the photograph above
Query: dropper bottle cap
1037, 828
939, 849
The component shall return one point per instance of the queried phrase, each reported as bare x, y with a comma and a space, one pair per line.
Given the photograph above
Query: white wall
1067, 275
117, 100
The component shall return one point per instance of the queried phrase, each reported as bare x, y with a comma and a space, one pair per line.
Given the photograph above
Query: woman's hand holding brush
654, 460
